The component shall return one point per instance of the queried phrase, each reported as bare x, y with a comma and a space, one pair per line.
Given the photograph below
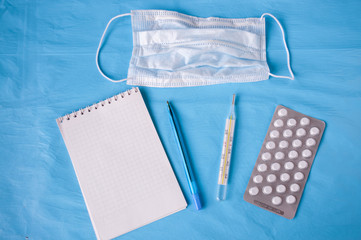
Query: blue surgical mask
171, 49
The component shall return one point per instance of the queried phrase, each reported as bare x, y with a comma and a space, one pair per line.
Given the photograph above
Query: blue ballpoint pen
190, 177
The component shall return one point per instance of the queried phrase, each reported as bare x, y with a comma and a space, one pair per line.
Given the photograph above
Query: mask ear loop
285, 44
100, 45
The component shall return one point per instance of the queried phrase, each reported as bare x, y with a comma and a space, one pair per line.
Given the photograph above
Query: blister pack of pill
284, 162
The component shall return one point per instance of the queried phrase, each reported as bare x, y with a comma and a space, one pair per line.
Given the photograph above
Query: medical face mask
171, 49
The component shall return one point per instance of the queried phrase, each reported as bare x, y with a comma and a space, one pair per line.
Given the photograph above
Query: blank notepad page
123, 171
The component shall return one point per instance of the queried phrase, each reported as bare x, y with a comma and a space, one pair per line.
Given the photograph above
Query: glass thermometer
226, 153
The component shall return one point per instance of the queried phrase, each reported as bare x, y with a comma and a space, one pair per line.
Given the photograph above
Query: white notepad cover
122, 169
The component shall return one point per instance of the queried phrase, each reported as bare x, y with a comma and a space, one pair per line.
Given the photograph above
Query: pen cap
197, 201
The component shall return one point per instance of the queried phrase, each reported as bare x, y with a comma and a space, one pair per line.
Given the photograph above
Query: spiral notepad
122, 169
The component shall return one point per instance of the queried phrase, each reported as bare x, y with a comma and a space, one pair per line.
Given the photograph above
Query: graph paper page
123, 171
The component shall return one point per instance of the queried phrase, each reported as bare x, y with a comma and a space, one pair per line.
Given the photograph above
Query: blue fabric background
47, 69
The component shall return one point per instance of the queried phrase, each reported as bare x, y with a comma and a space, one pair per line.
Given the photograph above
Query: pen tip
234, 98
167, 102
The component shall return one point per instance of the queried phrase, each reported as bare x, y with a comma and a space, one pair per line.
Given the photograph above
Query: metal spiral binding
96, 106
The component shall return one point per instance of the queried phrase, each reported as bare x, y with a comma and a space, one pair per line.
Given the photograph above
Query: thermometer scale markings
227, 150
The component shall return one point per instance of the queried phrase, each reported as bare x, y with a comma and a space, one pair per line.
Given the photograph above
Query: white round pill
289, 165
302, 164
262, 167
292, 154
301, 132
296, 143
299, 176
305, 121
311, 142
283, 144
287, 133
279, 155
267, 190
282, 112
281, 188
271, 178
270, 145
253, 191
295, 187
266, 156
274, 134
257, 179
278, 123
285, 177
291, 122
275, 166
314, 131
290, 199
276, 200
306, 153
